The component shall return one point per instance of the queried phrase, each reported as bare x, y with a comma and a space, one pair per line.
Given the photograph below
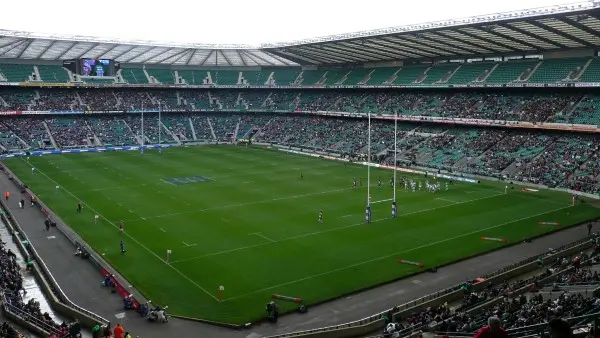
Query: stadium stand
16, 72
537, 156
49, 73
134, 75
544, 136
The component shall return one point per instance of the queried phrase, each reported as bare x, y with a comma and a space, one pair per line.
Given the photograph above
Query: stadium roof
538, 30
25, 45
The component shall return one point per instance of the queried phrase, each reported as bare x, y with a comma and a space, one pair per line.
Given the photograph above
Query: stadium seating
469, 72
591, 72
134, 75
311, 77
408, 75
381, 75
509, 71
179, 125
285, 77
356, 76
513, 150
505, 72
165, 76
224, 126
69, 132
556, 70
17, 99
192, 77
538, 157
202, 128
55, 74
587, 111
16, 72
438, 73
225, 77
111, 131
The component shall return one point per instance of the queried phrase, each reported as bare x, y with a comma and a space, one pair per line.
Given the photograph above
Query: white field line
326, 231
167, 182
446, 200
133, 239
244, 204
263, 236
268, 172
381, 201
394, 254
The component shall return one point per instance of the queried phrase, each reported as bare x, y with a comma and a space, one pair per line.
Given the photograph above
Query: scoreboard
93, 67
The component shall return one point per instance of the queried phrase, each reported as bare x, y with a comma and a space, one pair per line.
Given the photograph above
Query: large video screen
95, 67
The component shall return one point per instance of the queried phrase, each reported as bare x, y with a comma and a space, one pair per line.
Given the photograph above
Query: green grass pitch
252, 227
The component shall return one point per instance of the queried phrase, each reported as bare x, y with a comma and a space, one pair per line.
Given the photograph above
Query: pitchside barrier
57, 298
376, 322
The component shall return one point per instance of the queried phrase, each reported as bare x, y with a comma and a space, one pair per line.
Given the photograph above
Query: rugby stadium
396, 182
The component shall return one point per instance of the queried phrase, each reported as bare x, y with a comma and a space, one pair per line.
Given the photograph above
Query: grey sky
237, 21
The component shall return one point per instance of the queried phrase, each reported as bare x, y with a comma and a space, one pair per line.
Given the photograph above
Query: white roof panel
526, 31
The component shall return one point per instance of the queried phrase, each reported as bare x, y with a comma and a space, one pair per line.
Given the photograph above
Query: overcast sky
237, 21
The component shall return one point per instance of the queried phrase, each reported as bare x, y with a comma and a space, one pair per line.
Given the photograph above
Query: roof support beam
206, 58
559, 33
260, 58
484, 39
88, 50
387, 52
534, 36
277, 57
187, 53
577, 24
146, 50
29, 41
321, 50
302, 60
508, 37
187, 61
368, 54
17, 45
224, 57
430, 42
316, 51
316, 57
168, 56
411, 49
66, 51
241, 58
390, 49
10, 43
470, 43
45, 49
251, 57
118, 55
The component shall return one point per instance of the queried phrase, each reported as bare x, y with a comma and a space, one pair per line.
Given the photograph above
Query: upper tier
513, 73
